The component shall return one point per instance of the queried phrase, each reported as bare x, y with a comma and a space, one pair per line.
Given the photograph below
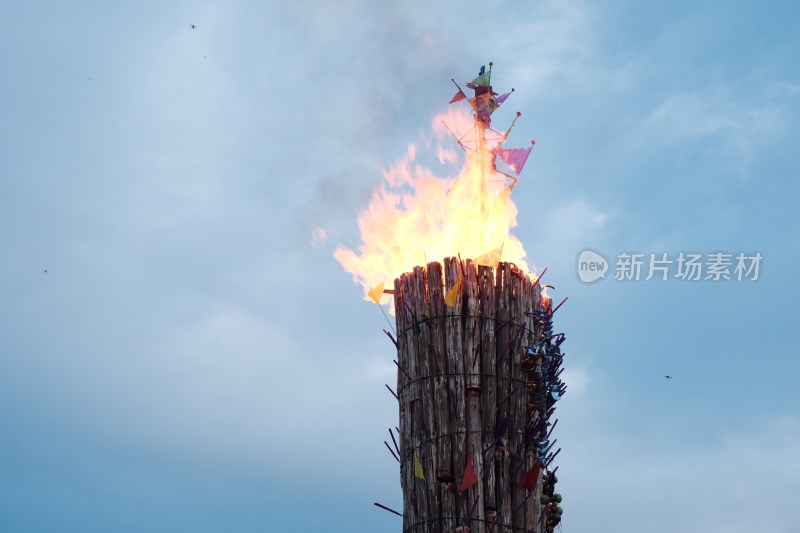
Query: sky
180, 351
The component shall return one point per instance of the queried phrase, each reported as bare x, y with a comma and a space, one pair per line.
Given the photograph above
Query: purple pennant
502, 98
514, 157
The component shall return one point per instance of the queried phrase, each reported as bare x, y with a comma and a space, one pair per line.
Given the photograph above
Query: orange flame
415, 217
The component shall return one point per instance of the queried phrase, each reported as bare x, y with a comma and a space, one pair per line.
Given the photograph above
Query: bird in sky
193, 26
45, 271
667, 377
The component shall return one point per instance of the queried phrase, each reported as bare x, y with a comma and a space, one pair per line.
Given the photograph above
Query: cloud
744, 481
318, 236
715, 118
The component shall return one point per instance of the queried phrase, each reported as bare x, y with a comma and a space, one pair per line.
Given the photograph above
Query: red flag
469, 478
531, 478
458, 97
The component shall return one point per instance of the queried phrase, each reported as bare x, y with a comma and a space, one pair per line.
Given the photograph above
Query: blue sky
190, 362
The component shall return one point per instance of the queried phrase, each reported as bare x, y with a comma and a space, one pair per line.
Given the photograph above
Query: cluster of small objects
542, 363
551, 499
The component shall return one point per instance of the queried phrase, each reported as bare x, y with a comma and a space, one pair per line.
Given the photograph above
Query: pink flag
515, 157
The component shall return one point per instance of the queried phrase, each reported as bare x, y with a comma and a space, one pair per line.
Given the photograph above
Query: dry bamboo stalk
455, 360
472, 336
518, 414
402, 293
422, 403
442, 431
489, 382
504, 336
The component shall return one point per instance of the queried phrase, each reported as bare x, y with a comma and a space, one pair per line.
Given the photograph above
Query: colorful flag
452, 295
482, 80
469, 478
502, 98
458, 97
515, 157
418, 466
490, 258
376, 292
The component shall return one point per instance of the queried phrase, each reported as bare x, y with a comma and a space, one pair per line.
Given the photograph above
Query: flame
415, 217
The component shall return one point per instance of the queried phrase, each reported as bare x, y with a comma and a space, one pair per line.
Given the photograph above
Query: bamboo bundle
477, 376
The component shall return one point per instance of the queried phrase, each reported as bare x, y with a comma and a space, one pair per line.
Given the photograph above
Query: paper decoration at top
469, 478
418, 466
490, 258
484, 105
376, 292
483, 78
452, 295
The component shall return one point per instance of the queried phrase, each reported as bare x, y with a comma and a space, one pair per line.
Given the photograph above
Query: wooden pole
471, 393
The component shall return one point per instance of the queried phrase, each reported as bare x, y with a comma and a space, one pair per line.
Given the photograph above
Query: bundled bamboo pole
472, 344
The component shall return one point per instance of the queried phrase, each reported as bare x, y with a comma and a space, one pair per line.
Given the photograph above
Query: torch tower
478, 372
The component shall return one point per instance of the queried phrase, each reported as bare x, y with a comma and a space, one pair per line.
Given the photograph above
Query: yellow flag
376, 292
418, 466
452, 295
490, 258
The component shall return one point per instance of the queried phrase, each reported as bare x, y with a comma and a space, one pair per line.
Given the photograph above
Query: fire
415, 217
